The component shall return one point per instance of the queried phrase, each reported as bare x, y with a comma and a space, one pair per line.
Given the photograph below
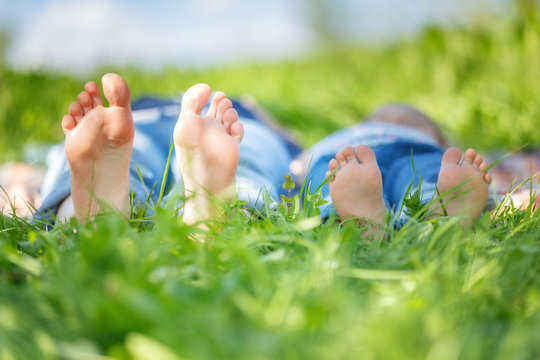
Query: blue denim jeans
404, 156
265, 157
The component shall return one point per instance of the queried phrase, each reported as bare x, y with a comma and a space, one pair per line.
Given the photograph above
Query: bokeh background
316, 65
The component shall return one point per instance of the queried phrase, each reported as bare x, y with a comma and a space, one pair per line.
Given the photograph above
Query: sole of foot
356, 186
98, 147
463, 185
207, 149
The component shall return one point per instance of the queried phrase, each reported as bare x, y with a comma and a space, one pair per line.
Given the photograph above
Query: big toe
348, 151
451, 156
116, 90
364, 153
195, 98
470, 156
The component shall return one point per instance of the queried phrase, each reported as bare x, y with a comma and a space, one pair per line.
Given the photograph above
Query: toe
92, 89
216, 99
237, 131
482, 167
85, 100
333, 165
116, 90
452, 156
487, 178
229, 118
68, 123
222, 107
470, 155
327, 176
478, 160
76, 110
364, 153
195, 99
349, 154
341, 159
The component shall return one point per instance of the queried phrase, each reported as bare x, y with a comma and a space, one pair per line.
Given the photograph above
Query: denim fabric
404, 156
396, 148
264, 157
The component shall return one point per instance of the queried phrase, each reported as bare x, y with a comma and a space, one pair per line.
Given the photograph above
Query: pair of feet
99, 142
357, 192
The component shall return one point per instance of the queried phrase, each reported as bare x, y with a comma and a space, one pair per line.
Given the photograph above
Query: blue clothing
396, 149
265, 156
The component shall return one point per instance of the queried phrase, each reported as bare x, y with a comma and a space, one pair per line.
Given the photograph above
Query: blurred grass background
481, 83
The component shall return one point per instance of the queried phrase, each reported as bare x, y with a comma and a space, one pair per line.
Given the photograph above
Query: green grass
272, 288
277, 287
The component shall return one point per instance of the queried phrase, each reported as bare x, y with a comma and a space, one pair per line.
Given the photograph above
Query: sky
72, 35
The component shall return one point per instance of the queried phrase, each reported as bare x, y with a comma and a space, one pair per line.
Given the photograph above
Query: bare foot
207, 151
356, 188
470, 176
98, 147
19, 189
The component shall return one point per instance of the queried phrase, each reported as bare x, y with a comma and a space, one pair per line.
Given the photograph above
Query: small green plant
304, 204
288, 201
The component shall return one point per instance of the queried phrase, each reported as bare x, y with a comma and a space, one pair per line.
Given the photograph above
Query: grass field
289, 287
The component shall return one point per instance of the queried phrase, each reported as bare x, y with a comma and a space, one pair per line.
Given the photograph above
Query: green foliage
303, 205
480, 84
31, 108
267, 288
288, 183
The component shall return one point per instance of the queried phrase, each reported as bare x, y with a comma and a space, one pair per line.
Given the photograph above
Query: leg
154, 121
387, 140
356, 187
260, 160
264, 159
263, 156
98, 148
207, 151
408, 169
463, 185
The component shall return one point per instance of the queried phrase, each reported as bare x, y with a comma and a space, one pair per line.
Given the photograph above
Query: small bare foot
98, 147
470, 176
207, 151
356, 188
19, 189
